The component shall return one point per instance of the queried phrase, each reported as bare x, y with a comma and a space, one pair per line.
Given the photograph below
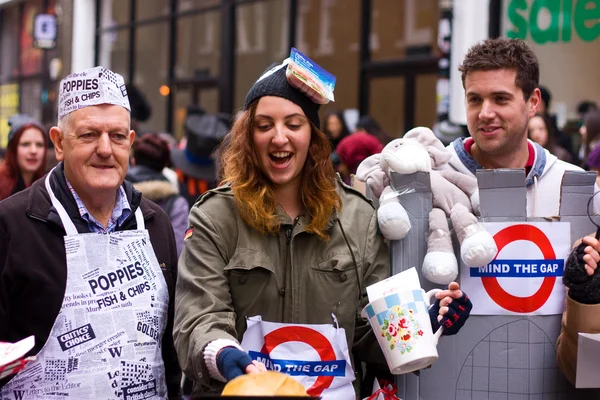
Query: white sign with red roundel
315, 355
525, 278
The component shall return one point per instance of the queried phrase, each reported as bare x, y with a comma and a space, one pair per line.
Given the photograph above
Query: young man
501, 78
87, 265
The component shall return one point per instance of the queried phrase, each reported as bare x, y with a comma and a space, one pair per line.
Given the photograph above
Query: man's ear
57, 136
131, 138
534, 102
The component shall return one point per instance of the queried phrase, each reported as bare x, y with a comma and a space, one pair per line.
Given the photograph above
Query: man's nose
487, 110
104, 148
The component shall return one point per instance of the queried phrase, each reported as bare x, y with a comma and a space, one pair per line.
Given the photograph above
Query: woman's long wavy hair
255, 195
9, 168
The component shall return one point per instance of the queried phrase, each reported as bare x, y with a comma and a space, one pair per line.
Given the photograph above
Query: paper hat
91, 87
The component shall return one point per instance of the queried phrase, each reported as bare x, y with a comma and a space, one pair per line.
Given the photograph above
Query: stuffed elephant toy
455, 195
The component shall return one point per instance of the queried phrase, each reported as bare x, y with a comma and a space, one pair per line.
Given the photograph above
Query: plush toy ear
367, 166
370, 172
436, 149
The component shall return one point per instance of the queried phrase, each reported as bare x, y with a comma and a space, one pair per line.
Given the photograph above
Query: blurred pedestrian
335, 127
590, 133
353, 149
585, 106
141, 110
540, 131
368, 124
195, 164
593, 162
25, 158
151, 155
557, 135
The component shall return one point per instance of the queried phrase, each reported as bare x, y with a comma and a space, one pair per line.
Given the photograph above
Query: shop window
114, 51
152, 8
9, 33
207, 99
186, 5
328, 31
114, 12
30, 57
151, 71
31, 91
425, 104
387, 104
401, 28
261, 39
9, 105
198, 45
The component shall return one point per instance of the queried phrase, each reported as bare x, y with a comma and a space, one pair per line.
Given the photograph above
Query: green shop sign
567, 18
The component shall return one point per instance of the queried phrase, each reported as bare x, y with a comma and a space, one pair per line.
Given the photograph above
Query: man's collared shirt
120, 213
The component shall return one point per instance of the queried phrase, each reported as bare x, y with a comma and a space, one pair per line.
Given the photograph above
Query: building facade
384, 53
29, 75
209, 52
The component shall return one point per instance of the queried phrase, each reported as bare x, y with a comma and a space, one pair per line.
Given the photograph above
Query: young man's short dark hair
504, 53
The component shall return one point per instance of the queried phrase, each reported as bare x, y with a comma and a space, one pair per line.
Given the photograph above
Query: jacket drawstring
535, 189
360, 290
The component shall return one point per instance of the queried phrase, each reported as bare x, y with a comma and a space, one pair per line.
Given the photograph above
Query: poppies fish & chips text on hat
91, 87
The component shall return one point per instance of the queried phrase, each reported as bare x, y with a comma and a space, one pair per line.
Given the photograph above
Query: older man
87, 266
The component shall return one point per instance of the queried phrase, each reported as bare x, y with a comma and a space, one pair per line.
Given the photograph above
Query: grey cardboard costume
495, 356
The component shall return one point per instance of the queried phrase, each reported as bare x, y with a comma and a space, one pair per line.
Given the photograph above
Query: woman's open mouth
280, 159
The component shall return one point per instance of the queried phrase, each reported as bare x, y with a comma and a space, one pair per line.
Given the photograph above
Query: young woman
540, 131
25, 158
282, 239
335, 128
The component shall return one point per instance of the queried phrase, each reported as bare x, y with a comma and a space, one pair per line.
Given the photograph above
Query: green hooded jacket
228, 271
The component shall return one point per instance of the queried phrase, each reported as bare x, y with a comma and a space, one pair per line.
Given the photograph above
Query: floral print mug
401, 324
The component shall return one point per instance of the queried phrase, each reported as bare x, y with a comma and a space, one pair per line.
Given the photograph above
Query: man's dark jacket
33, 273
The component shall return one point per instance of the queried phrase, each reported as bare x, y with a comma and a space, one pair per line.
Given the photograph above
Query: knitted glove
583, 288
232, 362
454, 319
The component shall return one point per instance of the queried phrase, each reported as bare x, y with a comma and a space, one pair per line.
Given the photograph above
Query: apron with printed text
105, 343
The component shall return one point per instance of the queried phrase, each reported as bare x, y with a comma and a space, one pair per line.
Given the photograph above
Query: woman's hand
233, 362
451, 310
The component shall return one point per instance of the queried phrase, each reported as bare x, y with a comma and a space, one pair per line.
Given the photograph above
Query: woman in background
590, 135
540, 131
335, 128
25, 158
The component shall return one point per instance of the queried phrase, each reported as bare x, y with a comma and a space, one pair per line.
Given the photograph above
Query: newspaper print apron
106, 340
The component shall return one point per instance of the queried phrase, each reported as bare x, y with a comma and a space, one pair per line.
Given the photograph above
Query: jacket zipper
288, 242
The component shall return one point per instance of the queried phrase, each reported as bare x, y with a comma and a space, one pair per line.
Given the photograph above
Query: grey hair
64, 123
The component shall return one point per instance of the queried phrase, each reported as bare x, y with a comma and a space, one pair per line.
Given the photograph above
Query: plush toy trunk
497, 356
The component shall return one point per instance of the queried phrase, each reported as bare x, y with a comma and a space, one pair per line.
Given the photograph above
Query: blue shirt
120, 213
